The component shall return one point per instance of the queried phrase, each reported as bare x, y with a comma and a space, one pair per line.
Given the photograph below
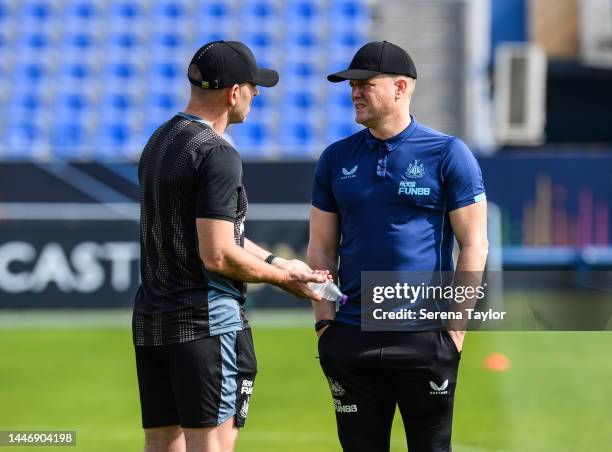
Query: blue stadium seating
299, 138
23, 138
70, 104
263, 45
337, 130
261, 16
35, 43
94, 78
112, 139
125, 9
37, 16
68, 139
81, 10
5, 13
255, 138
304, 14
76, 75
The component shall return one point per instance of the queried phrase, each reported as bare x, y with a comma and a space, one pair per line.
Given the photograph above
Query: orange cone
497, 362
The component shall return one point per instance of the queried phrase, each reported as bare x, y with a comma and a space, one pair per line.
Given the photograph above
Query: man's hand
297, 279
296, 266
293, 264
458, 337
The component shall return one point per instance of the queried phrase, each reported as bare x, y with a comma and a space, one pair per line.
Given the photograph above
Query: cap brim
266, 77
352, 74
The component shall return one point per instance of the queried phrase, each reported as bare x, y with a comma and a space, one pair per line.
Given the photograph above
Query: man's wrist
319, 325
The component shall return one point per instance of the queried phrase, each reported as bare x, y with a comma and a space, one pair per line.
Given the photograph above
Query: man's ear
401, 87
233, 93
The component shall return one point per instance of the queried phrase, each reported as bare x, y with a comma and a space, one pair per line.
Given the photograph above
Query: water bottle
329, 292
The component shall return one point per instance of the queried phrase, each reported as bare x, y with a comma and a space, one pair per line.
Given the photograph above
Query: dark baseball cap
226, 63
379, 57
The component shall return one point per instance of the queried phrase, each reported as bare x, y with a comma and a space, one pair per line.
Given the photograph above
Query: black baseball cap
226, 63
379, 57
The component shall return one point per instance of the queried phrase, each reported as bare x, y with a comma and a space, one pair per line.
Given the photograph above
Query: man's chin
363, 121
238, 120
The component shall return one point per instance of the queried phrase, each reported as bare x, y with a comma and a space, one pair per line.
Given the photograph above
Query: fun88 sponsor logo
407, 187
344, 408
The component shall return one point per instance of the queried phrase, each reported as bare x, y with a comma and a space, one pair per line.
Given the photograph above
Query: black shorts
370, 373
196, 384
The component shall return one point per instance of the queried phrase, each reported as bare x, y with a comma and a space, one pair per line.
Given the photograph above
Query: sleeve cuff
467, 201
324, 206
216, 216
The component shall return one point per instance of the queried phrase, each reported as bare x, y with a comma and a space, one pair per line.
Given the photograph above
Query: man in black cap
194, 350
392, 198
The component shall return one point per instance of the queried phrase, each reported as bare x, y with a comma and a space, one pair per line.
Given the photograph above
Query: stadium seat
298, 136
263, 102
120, 76
115, 104
28, 104
80, 42
6, 12
74, 75
300, 100
169, 10
252, 138
264, 47
126, 9
340, 97
122, 15
166, 45
70, 103
124, 46
205, 35
125, 41
337, 130
23, 140
83, 16
68, 139
217, 9
160, 75
349, 40
29, 73
112, 140
160, 107
36, 16
35, 43
147, 129
7, 53
261, 15
27, 107
304, 15
81, 10
213, 20
303, 46
347, 13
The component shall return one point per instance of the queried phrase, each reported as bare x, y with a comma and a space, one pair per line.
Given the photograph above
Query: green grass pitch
556, 396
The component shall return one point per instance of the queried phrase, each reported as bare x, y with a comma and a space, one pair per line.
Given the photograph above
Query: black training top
186, 171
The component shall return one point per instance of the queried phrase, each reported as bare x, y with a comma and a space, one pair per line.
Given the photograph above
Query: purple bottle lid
343, 299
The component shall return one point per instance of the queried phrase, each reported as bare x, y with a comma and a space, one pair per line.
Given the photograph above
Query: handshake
299, 278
